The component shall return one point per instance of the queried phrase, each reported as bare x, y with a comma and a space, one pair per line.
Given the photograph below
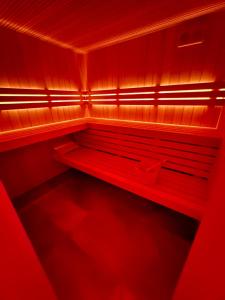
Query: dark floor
98, 242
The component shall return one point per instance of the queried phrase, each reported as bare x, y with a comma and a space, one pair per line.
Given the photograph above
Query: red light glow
186, 98
190, 44
103, 95
23, 95
137, 93
64, 101
36, 34
96, 100
23, 102
186, 91
134, 99
65, 95
157, 26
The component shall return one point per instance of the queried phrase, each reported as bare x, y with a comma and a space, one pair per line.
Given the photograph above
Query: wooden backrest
185, 153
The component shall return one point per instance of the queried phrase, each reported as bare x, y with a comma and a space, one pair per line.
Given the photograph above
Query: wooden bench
170, 168
14, 139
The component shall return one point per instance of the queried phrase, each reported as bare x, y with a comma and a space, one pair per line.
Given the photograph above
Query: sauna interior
112, 158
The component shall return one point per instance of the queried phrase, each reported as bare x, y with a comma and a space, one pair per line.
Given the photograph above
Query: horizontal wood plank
90, 161
19, 138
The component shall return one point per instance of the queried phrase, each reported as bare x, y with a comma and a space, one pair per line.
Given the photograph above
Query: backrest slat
121, 150
195, 156
184, 153
192, 139
156, 141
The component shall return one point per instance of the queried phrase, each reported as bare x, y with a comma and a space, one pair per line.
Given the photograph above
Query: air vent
192, 33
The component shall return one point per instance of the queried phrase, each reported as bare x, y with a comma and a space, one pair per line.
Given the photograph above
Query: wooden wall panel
195, 63
25, 168
20, 266
203, 274
27, 62
22, 118
156, 59
136, 62
202, 116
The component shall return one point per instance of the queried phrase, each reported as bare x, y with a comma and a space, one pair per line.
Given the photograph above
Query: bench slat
198, 157
119, 154
178, 136
138, 154
89, 161
167, 143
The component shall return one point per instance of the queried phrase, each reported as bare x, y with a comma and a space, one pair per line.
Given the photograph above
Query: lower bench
179, 192
169, 166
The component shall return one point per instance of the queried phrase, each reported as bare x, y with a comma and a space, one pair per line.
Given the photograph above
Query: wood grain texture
121, 155
199, 116
156, 60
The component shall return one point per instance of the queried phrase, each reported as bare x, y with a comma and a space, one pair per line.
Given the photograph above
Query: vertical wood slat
22, 118
179, 115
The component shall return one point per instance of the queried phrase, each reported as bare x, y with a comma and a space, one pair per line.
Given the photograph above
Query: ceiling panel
81, 24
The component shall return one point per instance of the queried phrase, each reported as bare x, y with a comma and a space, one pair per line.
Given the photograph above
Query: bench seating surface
113, 150
113, 153
14, 139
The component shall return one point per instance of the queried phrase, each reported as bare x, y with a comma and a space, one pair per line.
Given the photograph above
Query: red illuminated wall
24, 168
183, 115
204, 271
22, 276
27, 62
20, 118
156, 59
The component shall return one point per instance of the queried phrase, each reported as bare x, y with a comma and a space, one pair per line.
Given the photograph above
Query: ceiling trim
38, 35
139, 32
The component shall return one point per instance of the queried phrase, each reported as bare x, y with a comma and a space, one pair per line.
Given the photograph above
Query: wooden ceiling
85, 25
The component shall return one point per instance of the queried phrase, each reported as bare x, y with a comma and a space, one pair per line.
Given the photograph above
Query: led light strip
64, 101
186, 98
22, 102
190, 44
66, 95
185, 91
97, 100
102, 95
23, 95
134, 99
137, 93
119, 101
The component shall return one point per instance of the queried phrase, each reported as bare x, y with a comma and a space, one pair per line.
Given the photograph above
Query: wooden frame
184, 94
